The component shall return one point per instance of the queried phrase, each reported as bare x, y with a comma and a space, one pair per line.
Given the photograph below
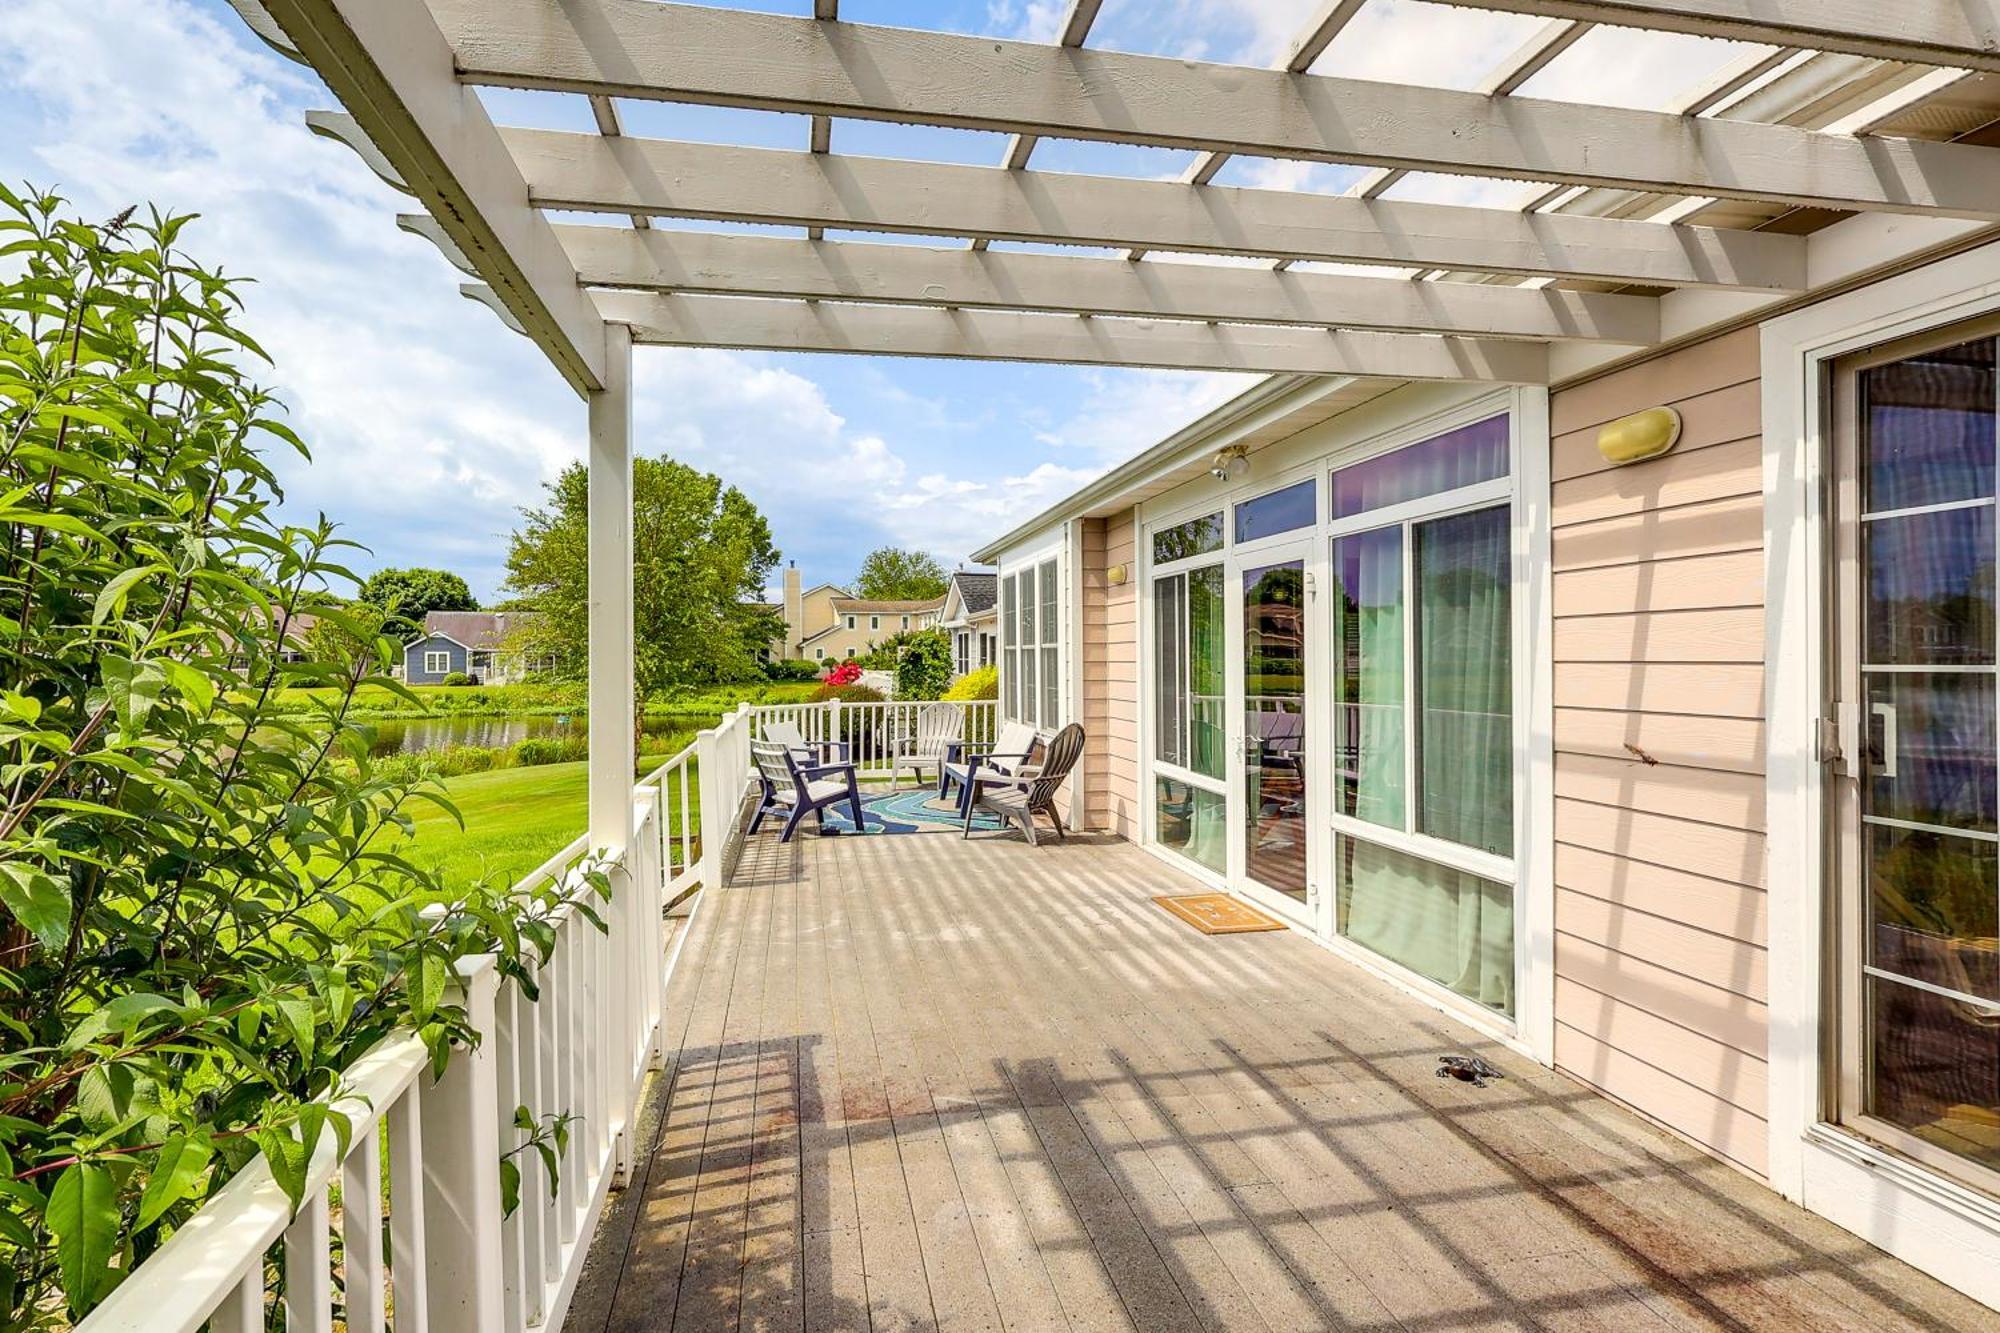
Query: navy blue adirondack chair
799, 788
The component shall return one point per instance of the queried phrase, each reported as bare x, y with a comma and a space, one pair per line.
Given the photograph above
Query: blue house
480, 644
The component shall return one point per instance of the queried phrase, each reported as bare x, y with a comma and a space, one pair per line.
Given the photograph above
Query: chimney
795, 610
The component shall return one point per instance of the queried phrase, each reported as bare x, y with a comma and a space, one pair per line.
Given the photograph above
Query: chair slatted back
1015, 739
786, 734
775, 763
1057, 760
938, 726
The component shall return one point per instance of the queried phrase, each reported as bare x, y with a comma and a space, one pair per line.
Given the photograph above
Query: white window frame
1395, 421
1026, 567
1917, 1214
437, 661
874, 622
850, 622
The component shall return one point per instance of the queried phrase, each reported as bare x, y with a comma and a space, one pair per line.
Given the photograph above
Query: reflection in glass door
1916, 818
1272, 813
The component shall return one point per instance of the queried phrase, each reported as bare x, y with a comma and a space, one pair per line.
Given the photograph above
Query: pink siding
1659, 823
1111, 676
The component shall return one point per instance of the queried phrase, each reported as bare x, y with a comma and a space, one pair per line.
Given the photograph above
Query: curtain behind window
1465, 724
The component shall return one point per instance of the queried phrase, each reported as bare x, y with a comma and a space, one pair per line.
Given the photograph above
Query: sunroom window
1031, 661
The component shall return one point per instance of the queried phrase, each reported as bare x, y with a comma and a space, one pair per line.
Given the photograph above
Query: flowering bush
847, 673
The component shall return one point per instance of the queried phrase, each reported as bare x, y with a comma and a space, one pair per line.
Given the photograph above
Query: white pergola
1847, 144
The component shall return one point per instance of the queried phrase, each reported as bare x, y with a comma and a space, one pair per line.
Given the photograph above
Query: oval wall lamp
1641, 436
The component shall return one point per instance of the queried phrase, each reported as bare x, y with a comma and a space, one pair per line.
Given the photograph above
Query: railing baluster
406, 1213
242, 1311
507, 1077
530, 1045
361, 1233
309, 1268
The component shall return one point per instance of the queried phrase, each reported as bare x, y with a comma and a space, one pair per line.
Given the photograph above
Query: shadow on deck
921, 1083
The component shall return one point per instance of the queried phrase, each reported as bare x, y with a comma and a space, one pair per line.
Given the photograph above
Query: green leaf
296, 1014
83, 1218
429, 989
111, 597
36, 900
181, 1161
104, 1095
510, 1186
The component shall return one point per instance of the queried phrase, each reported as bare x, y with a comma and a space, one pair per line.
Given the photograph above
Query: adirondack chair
939, 729
803, 787
1005, 756
1019, 798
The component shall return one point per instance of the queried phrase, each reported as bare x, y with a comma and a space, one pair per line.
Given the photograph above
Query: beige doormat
1218, 914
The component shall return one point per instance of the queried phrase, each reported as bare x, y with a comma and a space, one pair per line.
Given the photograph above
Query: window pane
1197, 536
1936, 1067
1465, 706
1930, 588
1274, 725
1170, 670
1280, 511
1207, 724
1453, 927
1011, 669
1025, 628
1050, 620
1368, 654
1934, 909
1464, 457
1051, 689
1026, 711
1007, 626
1927, 428
1930, 748
1191, 821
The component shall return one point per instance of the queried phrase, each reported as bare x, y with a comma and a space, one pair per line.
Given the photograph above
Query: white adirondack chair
939, 727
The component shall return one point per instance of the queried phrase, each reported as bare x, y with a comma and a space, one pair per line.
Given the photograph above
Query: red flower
845, 674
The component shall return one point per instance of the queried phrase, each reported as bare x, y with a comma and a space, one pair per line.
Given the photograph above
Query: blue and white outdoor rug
916, 811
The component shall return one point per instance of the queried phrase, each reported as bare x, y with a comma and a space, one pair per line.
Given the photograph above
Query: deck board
919, 1083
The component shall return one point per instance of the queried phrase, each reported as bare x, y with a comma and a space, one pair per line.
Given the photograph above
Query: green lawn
515, 819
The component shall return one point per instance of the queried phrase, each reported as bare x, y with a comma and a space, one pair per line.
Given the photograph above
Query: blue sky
432, 425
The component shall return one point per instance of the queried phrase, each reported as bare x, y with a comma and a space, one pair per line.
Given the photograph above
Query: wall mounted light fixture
1230, 464
1115, 575
1641, 436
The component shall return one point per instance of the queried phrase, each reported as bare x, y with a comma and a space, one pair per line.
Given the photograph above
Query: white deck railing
455, 1263
875, 733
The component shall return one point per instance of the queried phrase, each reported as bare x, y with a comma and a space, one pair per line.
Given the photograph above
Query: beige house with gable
828, 624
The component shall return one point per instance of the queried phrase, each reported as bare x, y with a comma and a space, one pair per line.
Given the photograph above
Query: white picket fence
454, 1262
874, 733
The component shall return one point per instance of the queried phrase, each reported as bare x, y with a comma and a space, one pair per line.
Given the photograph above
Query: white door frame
1919, 1215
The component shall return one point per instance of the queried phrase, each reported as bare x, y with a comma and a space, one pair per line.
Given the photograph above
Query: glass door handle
1883, 753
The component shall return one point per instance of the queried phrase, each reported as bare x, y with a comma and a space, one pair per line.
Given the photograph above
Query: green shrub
538, 750
201, 929
455, 680
791, 668
924, 670
983, 683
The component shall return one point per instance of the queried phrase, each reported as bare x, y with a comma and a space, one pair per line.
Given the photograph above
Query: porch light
1231, 464
1641, 436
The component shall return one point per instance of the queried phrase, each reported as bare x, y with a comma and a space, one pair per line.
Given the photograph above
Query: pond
664, 733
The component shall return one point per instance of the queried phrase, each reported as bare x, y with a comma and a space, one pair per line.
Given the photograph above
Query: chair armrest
809, 772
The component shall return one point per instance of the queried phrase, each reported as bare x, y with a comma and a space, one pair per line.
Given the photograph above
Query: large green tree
892, 574
701, 554
408, 595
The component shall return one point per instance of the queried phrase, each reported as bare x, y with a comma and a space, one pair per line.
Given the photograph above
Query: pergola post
612, 699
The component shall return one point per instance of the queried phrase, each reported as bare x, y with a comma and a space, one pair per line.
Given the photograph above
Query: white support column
612, 756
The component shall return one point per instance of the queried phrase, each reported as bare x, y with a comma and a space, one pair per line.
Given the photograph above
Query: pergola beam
390, 67
1933, 32
679, 320
727, 264
648, 49
588, 173
1075, 28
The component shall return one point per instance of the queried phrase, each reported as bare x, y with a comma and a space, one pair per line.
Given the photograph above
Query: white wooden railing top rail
875, 732
455, 1261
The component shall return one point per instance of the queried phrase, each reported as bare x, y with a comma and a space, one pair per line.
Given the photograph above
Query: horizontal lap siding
1659, 739
1110, 710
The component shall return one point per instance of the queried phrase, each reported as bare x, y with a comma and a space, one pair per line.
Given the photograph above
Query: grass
515, 819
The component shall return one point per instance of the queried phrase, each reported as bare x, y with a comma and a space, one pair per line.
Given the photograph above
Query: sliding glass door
1270, 809
1190, 724
1917, 792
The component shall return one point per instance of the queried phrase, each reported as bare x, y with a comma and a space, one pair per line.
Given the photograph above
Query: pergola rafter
1936, 32
583, 172
729, 264
683, 320
648, 49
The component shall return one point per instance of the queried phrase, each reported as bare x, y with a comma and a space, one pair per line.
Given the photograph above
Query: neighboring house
473, 643
971, 615
827, 624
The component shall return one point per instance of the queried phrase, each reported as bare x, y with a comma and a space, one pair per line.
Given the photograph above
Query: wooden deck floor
919, 1083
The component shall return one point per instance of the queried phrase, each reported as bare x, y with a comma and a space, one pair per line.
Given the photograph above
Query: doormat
1218, 914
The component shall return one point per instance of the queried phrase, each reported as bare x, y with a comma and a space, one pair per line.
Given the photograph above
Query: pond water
417, 734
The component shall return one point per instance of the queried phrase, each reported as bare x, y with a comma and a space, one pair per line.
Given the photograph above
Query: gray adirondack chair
1008, 754
1018, 798
799, 788
939, 729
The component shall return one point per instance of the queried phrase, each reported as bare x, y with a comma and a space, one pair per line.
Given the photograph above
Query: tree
923, 671
199, 928
701, 555
408, 595
891, 574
